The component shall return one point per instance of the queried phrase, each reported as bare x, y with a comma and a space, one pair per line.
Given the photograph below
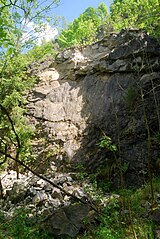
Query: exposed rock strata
111, 87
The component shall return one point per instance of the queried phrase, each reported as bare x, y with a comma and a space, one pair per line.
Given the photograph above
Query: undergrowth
127, 216
21, 226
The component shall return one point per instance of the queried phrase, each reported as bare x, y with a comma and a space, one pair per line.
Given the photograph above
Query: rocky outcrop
110, 87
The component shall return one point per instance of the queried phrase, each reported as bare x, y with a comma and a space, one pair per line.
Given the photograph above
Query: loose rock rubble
59, 213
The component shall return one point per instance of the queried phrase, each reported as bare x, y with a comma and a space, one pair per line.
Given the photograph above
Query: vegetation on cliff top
141, 14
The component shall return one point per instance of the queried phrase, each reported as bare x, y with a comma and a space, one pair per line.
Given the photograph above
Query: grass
129, 216
21, 226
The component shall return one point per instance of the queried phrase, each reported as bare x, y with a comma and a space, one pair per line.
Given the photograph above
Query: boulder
66, 221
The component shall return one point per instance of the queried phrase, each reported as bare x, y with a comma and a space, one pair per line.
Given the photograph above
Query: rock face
111, 87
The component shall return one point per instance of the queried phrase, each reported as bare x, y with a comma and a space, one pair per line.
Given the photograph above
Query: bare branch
17, 161
12, 124
41, 176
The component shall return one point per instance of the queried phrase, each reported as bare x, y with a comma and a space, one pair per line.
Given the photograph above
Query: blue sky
71, 9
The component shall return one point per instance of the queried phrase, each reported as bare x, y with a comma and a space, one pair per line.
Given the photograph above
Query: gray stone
33, 190
17, 193
40, 198
54, 203
66, 221
93, 89
41, 183
156, 216
157, 233
56, 193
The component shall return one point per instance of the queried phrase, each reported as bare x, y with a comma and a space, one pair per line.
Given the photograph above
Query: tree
15, 132
142, 14
83, 30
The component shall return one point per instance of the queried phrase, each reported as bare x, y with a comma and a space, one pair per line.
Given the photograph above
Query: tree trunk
1, 190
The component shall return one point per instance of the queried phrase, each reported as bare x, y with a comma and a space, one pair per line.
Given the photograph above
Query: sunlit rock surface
110, 87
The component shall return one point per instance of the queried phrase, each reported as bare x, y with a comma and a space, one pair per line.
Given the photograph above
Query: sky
71, 9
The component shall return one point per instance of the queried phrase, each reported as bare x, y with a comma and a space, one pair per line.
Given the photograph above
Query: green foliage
124, 167
21, 226
110, 227
14, 84
14, 17
106, 142
127, 215
105, 171
16, 133
41, 52
83, 30
142, 14
6, 28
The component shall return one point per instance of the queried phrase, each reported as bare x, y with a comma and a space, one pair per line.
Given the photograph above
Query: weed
21, 226
128, 216
106, 142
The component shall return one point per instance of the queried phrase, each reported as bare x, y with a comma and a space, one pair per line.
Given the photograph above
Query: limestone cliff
111, 87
